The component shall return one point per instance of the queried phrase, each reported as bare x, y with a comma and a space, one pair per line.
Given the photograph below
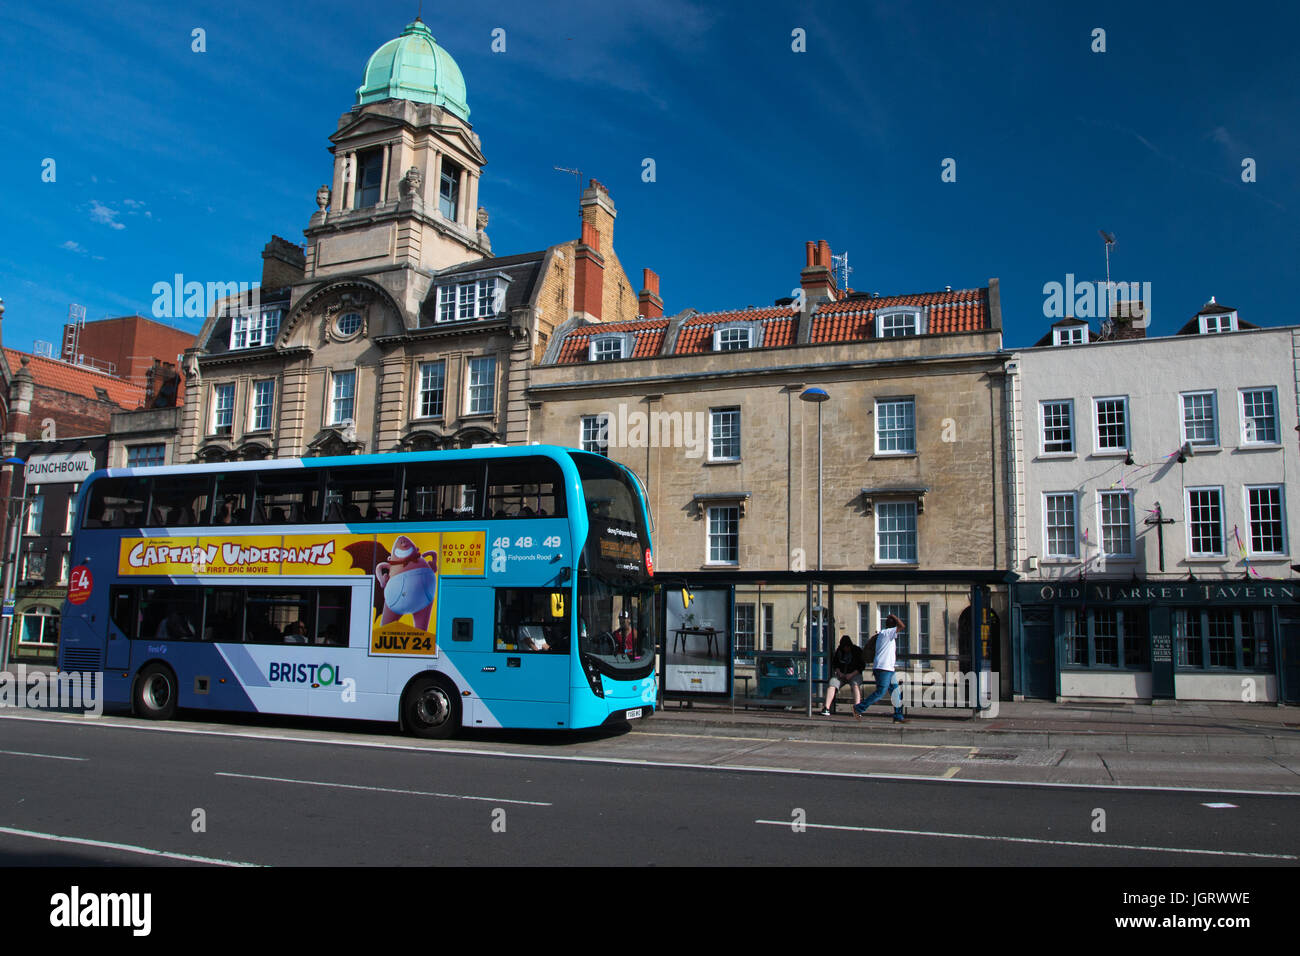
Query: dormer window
476, 299
737, 336
610, 347
731, 340
1070, 335
1224, 322
898, 323
254, 330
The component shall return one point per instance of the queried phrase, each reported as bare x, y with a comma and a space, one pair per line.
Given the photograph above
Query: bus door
119, 626
530, 656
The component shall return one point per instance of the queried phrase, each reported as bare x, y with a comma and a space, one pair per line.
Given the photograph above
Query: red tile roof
77, 379
649, 339
853, 319
849, 319
696, 333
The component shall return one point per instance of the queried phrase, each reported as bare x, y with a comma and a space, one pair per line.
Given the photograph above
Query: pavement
1161, 727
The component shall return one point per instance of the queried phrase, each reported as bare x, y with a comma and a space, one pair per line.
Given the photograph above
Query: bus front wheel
431, 708
155, 693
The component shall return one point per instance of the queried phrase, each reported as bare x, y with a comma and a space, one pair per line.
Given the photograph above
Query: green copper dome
413, 67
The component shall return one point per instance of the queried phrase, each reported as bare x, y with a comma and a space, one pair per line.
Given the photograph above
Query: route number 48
526, 542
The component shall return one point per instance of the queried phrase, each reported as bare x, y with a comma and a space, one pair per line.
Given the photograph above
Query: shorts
855, 680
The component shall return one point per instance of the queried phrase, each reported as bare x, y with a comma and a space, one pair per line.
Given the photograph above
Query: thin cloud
105, 215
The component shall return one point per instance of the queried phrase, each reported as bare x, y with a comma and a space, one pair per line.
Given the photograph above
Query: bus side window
447, 491
223, 615
524, 488
232, 498
117, 502
292, 491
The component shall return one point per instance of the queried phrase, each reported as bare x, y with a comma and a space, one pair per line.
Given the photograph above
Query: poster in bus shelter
697, 658
406, 569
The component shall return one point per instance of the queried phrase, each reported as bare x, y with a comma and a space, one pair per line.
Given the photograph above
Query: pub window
1222, 639
1110, 638
447, 491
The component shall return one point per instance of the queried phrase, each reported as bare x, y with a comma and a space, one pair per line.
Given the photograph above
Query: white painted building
1154, 510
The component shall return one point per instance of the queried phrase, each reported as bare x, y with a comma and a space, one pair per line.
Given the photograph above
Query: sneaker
826, 713
858, 710
900, 720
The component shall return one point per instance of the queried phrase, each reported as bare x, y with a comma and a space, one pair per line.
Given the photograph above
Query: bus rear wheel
431, 708
155, 693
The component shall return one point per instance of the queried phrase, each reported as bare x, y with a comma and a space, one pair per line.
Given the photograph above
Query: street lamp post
818, 397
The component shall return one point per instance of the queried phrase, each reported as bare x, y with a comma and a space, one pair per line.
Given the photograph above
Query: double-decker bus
488, 587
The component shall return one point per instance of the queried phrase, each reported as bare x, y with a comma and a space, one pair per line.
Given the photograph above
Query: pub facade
1153, 514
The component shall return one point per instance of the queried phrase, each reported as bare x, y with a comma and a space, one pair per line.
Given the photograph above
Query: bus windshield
616, 599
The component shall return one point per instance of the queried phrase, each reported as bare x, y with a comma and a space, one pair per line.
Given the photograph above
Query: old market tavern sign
1173, 592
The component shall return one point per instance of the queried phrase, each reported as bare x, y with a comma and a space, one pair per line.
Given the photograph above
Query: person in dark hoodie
846, 668
883, 666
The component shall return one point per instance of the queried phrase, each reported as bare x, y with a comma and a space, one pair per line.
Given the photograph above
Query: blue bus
487, 587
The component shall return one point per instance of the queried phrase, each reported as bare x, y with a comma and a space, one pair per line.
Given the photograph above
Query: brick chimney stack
588, 273
649, 304
1131, 319
598, 209
283, 264
818, 277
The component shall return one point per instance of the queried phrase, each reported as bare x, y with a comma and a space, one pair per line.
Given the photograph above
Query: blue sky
170, 161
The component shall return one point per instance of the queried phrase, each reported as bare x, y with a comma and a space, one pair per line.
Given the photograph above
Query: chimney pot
810, 253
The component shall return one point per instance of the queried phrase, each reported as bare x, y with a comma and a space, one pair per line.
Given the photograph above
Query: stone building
1153, 516
395, 327
706, 408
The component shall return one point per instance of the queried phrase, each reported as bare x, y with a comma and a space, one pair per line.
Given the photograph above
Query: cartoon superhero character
409, 582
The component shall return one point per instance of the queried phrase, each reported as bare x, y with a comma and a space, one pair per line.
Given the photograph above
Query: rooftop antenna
577, 173
1109, 239
845, 270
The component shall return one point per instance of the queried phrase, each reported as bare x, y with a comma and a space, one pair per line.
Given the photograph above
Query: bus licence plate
632, 714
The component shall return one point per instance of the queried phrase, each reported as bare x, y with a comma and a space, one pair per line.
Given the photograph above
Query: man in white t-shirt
883, 666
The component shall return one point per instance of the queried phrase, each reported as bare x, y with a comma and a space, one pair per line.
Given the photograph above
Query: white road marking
1220, 806
413, 793
112, 723
23, 753
1008, 839
124, 847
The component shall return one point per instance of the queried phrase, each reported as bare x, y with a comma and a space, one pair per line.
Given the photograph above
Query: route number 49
526, 542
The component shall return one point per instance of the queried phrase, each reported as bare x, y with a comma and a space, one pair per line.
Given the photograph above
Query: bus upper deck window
529, 487
288, 496
232, 498
178, 500
117, 502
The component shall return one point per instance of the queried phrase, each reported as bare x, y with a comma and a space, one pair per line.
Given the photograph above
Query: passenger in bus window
329, 636
175, 627
296, 633
227, 513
